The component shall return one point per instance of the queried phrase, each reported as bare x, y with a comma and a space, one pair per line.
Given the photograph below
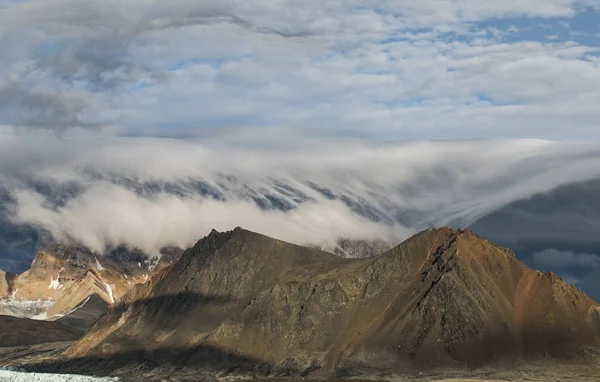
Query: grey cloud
531, 224
102, 62
20, 106
93, 42
555, 230
555, 259
304, 65
574, 267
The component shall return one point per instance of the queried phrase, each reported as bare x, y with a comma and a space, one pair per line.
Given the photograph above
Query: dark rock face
443, 298
85, 314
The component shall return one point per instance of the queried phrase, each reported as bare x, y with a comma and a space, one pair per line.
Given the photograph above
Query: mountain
242, 301
23, 331
564, 219
75, 286
3, 283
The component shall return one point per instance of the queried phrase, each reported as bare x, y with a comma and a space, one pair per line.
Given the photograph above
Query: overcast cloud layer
388, 70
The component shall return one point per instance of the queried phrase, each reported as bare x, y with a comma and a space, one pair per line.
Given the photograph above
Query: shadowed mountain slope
443, 298
23, 331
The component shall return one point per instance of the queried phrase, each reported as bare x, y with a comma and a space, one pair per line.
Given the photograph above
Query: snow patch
110, 293
98, 265
14, 375
152, 262
40, 317
55, 284
26, 308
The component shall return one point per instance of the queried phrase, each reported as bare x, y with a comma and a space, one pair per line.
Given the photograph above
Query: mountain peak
469, 245
62, 278
444, 297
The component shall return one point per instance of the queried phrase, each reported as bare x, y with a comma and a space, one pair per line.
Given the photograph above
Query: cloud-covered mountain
150, 193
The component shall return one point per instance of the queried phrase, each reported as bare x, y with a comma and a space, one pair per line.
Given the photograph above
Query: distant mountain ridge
18, 242
443, 298
70, 280
564, 219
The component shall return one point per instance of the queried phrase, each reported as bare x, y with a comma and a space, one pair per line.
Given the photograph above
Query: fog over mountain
149, 193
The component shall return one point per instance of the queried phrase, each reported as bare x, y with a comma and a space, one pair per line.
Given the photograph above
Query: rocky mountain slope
3, 284
72, 281
23, 331
443, 298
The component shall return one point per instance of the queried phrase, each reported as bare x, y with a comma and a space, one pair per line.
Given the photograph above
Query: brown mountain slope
23, 331
443, 298
62, 279
3, 284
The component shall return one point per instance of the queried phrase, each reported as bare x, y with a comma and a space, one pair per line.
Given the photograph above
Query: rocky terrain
71, 284
445, 303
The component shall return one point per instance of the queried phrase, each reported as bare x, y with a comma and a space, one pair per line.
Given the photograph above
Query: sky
379, 70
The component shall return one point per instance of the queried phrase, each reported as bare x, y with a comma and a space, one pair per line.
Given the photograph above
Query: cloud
107, 214
22, 106
552, 258
566, 218
574, 267
152, 192
387, 69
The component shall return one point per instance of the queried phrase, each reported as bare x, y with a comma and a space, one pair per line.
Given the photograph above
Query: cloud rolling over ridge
152, 192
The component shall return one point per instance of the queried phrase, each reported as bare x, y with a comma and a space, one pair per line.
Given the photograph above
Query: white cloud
402, 188
387, 69
111, 215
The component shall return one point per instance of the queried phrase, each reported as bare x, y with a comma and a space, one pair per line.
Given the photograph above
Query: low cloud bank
150, 192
